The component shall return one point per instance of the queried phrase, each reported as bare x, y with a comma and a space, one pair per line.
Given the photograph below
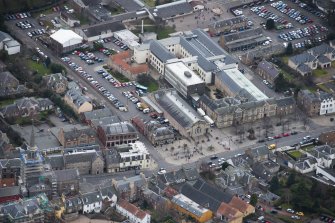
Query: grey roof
302, 58
74, 131
92, 197
119, 128
107, 191
4, 36
76, 97
324, 59
174, 105
282, 102
99, 29
130, 5
12, 43
56, 161
187, 206
244, 35
259, 151
163, 131
321, 50
160, 51
212, 191
80, 157
112, 157
191, 173
269, 68
44, 102
97, 114
123, 184
303, 68
10, 191
172, 9
308, 95
66, 175
228, 22
73, 202
6, 78
10, 163
105, 121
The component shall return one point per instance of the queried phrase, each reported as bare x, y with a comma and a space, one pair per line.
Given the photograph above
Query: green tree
274, 184
281, 84
291, 179
224, 165
270, 24
300, 198
289, 48
57, 68
253, 199
47, 62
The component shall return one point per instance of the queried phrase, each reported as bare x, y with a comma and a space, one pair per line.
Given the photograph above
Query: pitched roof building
77, 101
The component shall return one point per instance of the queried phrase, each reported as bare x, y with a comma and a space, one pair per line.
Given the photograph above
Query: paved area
84, 219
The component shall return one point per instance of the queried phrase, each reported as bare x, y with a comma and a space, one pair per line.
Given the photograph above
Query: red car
286, 134
277, 137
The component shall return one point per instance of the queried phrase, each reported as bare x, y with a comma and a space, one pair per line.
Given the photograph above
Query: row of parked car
36, 32
314, 11
303, 32
18, 16
119, 43
24, 24
291, 12
88, 57
328, 219
263, 12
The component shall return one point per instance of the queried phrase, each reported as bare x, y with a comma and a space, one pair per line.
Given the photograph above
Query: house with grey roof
324, 53
117, 133
267, 71
56, 83
159, 55
285, 106
98, 31
172, 10
243, 40
224, 26
180, 115
87, 117
130, 188
92, 202
87, 162
303, 165
77, 101
303, 63
8, 44
324, 154
316, 103
72, 206
9, 85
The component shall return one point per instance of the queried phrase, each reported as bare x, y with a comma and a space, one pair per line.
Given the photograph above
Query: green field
38, 67
296, 154
319, 72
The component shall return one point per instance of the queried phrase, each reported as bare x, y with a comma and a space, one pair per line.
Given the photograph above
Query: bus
142, 88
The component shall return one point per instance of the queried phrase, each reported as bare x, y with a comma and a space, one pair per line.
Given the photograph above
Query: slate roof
77, 98
228, 22
286, 101
4, 36
105, 121
308, 95
66, 175
259, 151
98, 29
302, 58
107, 191
191, 173
97, 114
75, 202
91, 197
303, 68
119, 128
132, 209
172, 9
72, 132
10, 163
324, 59
268, 68
7, 77
244, 35
56, 161
160, 51
321, 50
80, 157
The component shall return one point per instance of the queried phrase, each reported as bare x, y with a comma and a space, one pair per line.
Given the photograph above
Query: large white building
327, 104
183, 79
8, 44
65, 40
133, 155
127, 37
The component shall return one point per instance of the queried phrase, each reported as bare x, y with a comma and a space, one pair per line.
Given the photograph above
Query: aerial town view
167, 111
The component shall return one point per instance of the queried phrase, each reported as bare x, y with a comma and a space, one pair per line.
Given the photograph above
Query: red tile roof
132, 209
121, 59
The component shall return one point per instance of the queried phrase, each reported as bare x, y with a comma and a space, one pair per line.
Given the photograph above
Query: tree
225, 165
291, 179
253, 199
57, 68
47, 62
289, 48
270, 24
300, 198
274, 184
281, 84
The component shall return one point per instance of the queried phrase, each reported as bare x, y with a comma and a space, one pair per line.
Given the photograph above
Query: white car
265, 82
161, 171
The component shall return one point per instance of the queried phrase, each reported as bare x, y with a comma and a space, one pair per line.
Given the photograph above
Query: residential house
285, 106
87, 117
56, 83
92, 202
117, 134
309, 102
229, 214
67, 181
267, 71
259, 154
325, 155
8, 44
76, 135
265, 170
72, 205
156, 201
78, 102
303, 63
327, 138
9, 85
87, 162
26, 107
324, 53
33, 209
186, 206
130, 188
69, 19
303, 165
132, 213
318, 103
108, 195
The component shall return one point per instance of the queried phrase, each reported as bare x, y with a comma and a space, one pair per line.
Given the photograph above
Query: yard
6, 102
319, 72
333, 64
295, 154
40, 68
148, 82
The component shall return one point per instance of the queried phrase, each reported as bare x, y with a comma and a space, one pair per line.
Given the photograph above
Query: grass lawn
153, 86
287, 76
319, 72
164, 32
6, 102
150, 3
285, 59
38, 67
296, 154
119, 77
333, 64
324, 88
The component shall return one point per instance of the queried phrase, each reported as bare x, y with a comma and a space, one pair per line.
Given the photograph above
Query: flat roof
184, 74
126, 35
236, 81
63, 36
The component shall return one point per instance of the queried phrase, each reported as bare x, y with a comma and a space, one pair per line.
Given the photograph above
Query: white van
146, 110
123, 109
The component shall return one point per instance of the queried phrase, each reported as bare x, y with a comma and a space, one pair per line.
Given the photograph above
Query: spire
32, 135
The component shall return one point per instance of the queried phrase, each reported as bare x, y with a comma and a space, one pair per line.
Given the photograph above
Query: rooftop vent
188, 74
